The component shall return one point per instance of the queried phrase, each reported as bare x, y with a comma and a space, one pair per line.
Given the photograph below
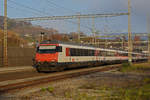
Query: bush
50, 89
126, 65
43, 89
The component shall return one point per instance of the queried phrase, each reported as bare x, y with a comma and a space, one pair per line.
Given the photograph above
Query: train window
100, 53
124, 54
78, 52
134, 55
120, 54
103, 53
37, 49
110, 54
49, 49
81, 52
91, 52
46, 49
72, 52
59, 49
86, 53
97, 53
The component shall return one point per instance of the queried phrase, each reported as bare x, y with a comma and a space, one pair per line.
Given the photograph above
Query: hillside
24, 28
28, 33
14, 40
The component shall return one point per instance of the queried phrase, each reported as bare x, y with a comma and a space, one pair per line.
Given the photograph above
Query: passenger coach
57, 56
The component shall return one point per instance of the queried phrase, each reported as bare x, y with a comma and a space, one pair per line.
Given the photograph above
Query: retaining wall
18, 56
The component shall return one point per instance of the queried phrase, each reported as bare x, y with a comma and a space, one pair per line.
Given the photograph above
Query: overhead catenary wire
59, 6
41, 12
71, 10
21, 9
30, 8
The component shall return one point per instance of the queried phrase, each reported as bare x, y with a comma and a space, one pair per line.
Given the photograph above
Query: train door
67, 54
64, 56
96, 55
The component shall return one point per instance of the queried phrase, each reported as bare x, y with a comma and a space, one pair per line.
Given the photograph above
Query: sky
41, 8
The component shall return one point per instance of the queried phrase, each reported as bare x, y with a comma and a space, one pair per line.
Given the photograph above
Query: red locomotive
57, 56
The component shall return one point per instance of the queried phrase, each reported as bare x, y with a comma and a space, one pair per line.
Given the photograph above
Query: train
57, 56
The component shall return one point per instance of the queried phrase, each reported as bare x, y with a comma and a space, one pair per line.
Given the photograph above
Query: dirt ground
123, 84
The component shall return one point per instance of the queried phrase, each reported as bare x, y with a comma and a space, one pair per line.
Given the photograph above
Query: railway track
23, 83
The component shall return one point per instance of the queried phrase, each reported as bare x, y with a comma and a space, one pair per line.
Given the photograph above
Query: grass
81, 96
126, 67
141, 92
111, 88
43, 89
49, 89
134, 93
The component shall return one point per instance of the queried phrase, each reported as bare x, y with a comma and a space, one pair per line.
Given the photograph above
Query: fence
18, 56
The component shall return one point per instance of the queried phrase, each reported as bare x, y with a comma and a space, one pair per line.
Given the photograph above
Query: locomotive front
46, 57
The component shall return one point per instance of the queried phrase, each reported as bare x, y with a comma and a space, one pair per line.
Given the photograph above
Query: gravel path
72, 88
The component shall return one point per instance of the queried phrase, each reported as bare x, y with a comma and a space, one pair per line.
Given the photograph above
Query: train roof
68, 43
73, 43
77, 44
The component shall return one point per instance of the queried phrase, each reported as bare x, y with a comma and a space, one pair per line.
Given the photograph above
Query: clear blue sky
36, 8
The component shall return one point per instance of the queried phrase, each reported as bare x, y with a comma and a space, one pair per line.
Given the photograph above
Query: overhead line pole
93, 30
79, 30
5, 45
148, 30
129, 34
122, 42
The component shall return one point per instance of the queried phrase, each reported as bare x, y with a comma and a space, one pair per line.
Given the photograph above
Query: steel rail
64, 75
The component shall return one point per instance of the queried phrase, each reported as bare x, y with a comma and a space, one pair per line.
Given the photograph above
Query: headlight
53, 60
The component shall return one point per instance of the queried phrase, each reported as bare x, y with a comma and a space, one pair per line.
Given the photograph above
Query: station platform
16, 69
